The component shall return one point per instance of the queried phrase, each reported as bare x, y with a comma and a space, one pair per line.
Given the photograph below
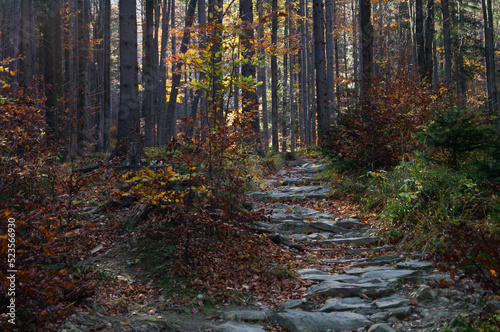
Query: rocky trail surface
353, 279
357, 282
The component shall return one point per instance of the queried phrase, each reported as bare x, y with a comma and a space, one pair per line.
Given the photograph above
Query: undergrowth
435, 186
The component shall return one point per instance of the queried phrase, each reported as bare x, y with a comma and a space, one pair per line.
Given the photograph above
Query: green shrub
455, 132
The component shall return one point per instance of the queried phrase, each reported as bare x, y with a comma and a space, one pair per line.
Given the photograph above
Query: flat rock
391, 302
253, 315
348, 303
352, 240
311, 271
327, 277
361, 270
295, 226
239, 327
415, 264
359, 250
292, 304
350, 223
327, 225
301, 321
390, 275
335, 288
291, 192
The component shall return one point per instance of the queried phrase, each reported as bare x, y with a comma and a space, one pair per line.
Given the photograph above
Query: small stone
415, 265
444, 300
425, 293
293, 304
391, 302
379, 317
401, 313
381, 328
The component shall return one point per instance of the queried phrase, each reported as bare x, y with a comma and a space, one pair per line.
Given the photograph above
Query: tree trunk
290, 86
304, 94
429, 40
176, 75
419, 36
26, 43
329, 12
49, 65
129, 139
148, 77
319, 66
249, 98
106, 107
490, 61
446, 40
162, 86
366, 42
274, 79
262, 79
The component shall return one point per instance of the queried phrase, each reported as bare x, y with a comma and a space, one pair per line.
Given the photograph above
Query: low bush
382, 131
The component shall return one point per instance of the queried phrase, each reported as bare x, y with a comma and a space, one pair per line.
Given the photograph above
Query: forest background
193, 97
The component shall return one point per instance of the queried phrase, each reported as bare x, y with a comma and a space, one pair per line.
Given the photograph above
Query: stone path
384, 290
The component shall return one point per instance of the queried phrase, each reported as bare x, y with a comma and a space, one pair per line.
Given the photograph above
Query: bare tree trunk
129, 139
446, 40
305, 135
429, 41
106, 107
319, 66
26, 43
490, 61
274, 79
149, 79
176, 75
366, 48
262, 79
329, 12
290, 86
162, 86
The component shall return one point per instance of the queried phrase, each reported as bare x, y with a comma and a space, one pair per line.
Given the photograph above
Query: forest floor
342, 275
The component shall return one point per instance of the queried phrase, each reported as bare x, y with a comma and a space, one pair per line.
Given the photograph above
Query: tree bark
329, 12
26, 43
490, 61
262, 79
148, 77
274, 78
304, 94
366, 42
446, 40
319, 66
129, 139
429, 40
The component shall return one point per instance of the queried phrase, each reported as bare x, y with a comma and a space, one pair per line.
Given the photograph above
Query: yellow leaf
13, 73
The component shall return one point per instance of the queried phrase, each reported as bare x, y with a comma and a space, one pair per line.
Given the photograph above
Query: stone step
301, 321
352, 240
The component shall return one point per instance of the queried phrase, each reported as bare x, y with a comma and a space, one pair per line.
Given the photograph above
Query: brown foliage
381, 132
